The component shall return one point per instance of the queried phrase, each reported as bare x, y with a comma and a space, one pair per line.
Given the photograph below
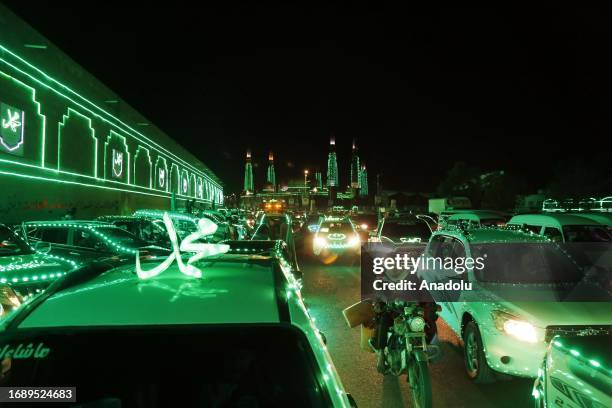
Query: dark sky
524, 89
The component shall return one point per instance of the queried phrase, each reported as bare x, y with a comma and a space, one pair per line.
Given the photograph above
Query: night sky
526, 90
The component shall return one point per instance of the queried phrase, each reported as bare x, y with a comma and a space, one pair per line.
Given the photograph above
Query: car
477, 218
509, 334
575, 373
364, 223
336, 236
25, 269
186, 224
150, 230
238, 335
562, 227
270, 227
402, 230
83, 241
600, 217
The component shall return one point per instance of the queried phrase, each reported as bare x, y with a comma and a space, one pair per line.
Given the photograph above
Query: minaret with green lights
332, 164
271, 175
363, 181
355, 168
248, 174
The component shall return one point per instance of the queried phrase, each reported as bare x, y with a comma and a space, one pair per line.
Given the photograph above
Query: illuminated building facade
67, 141
318, 180
248, 174
355, 168
332, 164
363, 181
270, 174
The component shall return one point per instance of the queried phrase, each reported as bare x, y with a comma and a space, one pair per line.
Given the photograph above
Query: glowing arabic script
12, 122
205, 228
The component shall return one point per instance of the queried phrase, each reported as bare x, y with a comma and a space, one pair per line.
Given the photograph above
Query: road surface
328, 289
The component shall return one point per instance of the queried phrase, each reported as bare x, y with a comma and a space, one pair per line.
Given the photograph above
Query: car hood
31, 265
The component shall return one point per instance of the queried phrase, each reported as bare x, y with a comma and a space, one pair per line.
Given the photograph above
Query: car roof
557, 219
229, 292
70, 223
492, 235
160, 214
602, 218
476, 215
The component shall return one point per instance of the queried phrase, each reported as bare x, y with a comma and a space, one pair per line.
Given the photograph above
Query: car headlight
364, 226
320, 242
514, 326
355, 241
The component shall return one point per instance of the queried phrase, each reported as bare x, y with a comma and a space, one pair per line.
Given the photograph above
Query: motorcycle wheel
419, 380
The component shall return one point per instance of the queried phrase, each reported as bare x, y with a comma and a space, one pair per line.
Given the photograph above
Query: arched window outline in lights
184, 182
138, 149
175, 179
200, 189
193, 185
158, 176
38, 112
61, 125
56, 88
125, 165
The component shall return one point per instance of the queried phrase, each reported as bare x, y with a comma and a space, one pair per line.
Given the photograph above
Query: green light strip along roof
67, 76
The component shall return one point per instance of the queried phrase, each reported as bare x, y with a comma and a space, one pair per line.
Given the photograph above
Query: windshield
586, 233
525, 263
394, 230
11, 244
336, 227
224, 366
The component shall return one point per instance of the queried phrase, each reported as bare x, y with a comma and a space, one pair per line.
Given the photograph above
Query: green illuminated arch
116, 158
175, 179
184, 189
142, 167
192, 186
77, 150
200, 189
161, 176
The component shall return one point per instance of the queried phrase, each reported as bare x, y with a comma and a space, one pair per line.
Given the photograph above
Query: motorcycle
404, 332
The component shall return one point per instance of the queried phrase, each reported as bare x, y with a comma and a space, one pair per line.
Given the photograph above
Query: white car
155, 334
563, 227
505, 335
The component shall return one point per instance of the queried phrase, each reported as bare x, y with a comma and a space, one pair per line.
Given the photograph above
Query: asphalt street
329, 288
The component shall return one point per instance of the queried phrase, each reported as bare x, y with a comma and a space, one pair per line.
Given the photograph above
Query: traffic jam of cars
224, 276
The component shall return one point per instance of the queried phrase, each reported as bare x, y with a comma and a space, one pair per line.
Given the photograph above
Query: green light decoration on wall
71, 157
142, 168
93, 118
12, 129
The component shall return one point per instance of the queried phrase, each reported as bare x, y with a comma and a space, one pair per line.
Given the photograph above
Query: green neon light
184, 183
8, 173
147, 141
62, 124
175, 187
150, 164
161, 174
38, 112
108, 140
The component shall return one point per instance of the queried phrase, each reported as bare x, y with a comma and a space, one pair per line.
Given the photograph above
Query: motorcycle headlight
417, 324
515, 327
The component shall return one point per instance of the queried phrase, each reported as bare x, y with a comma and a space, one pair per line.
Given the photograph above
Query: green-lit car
24, 269
336, 236
504, 330
575, 372
155, 335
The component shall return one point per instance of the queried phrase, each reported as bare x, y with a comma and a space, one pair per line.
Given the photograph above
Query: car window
11, 244
87, 239
533, 228
553, 234
261, 366
54, 235
586, 233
